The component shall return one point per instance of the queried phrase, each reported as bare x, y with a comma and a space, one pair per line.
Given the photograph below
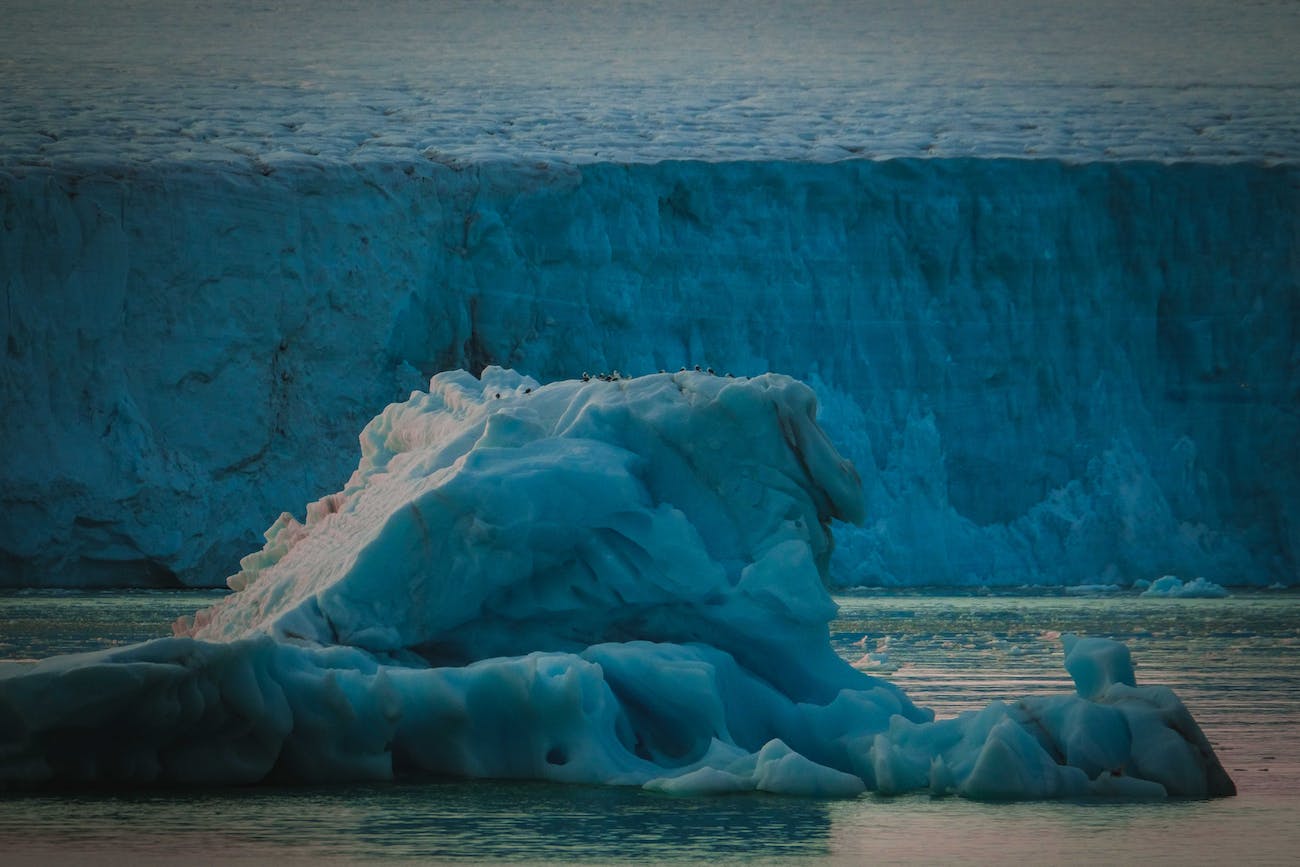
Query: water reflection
1236, 662
438, 821
35, 624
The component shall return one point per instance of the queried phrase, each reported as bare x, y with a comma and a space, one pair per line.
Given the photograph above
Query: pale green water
1236, 663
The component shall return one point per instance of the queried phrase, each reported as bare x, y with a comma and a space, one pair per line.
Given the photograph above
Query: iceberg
1173, 587
610, 580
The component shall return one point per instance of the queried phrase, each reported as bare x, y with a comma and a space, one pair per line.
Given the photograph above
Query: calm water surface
1235, 662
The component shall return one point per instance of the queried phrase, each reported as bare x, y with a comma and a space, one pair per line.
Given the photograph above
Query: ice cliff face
1044, 372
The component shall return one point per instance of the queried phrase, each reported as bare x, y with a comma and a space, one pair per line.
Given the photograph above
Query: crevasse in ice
609, 581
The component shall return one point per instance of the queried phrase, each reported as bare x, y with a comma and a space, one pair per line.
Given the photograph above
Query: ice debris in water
1174, 587
602, 581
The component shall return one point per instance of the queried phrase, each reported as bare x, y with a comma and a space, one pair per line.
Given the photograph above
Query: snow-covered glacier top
258, 83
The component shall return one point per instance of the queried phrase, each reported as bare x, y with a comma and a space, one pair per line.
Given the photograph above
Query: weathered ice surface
616, 581
253, 84
1043, 372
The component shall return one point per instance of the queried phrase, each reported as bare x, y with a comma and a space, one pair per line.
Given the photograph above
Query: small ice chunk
1012, 764
701, 781
783, 771
1096, 663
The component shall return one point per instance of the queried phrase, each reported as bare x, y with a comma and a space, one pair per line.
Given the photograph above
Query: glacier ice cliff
611, 581
1045, 372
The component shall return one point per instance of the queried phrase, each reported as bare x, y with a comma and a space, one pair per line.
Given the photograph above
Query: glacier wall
1045, 372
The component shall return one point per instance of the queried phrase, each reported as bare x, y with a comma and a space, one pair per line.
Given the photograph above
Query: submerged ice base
616, 582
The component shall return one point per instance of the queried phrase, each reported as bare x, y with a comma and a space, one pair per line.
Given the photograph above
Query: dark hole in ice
556, 756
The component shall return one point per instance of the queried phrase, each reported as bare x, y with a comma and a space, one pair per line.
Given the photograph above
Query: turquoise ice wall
1045, 372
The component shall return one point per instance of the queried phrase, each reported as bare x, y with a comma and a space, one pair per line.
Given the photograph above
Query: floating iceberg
615, 581
1173, 587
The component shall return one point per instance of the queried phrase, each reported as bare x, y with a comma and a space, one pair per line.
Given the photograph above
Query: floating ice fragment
1092, 589
1096, 663
1173, 587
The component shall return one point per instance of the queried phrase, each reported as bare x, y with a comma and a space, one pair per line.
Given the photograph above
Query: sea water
1235, 662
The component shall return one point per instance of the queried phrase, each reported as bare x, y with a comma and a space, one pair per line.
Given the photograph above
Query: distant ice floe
1173, 587
1092, 589
616, 581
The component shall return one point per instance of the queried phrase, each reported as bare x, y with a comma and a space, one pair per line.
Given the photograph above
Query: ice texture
1045, 373
267, 85
1095, 664
1174, 587
613, 581
494, 516
1060, 349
